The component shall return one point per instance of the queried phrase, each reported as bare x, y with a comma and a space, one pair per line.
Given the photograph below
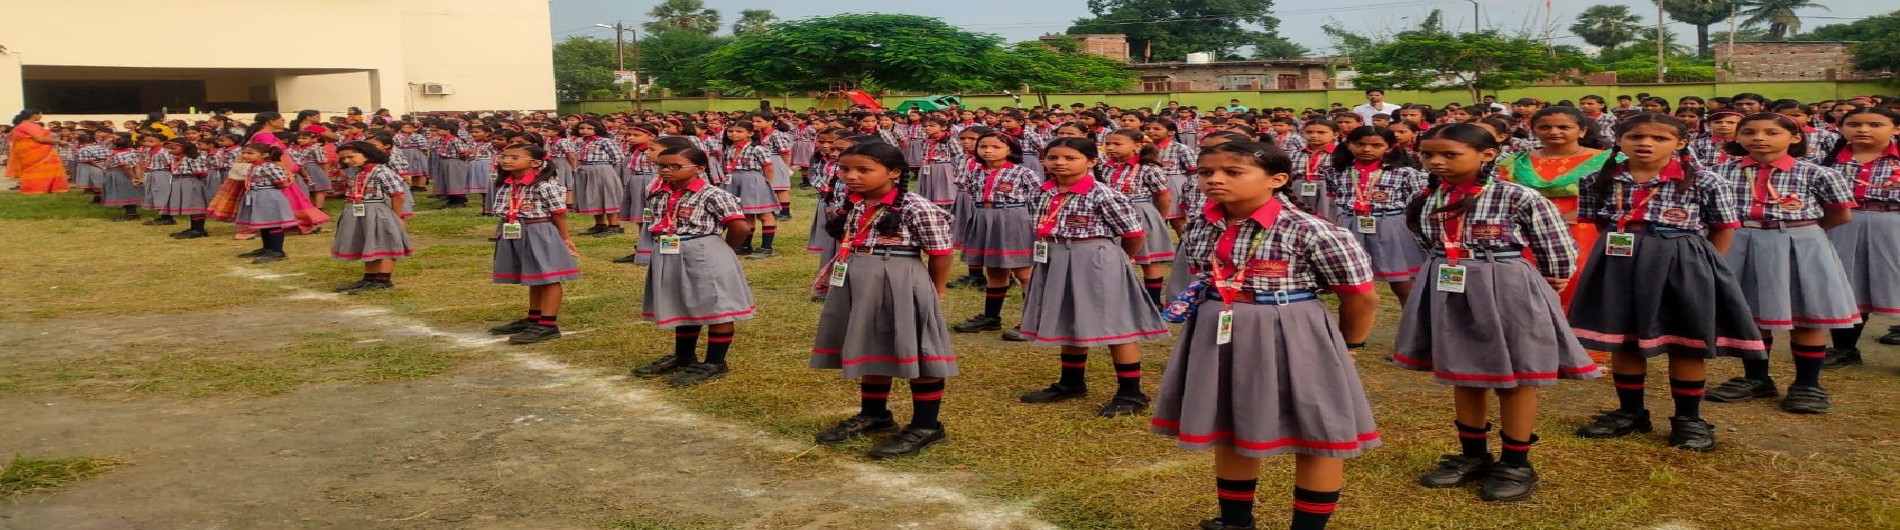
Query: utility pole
1662, 47
620, 57
1474, 16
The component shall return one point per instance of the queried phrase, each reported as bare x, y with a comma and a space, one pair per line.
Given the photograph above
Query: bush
1677, 74
603, 93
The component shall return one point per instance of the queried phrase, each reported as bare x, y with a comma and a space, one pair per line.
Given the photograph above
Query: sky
1300, 19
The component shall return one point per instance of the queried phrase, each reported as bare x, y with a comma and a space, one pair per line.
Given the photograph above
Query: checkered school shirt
1309, 165
482, 149
701, 209
399, 163
222, 159
1706, 203
1606, 126
1138, 182
946, 150
1031, 140
1296, 251
1177, 159
1801, 189
94, 152
1820, 143
1009, 185
1290, 142
1191, 198
128, 158
1505, 218
639, 164
539, 200
410, 141
196, 166
1387, 189
923, 225
1708, 150
307, 155
378, 183
156, 159
596, 150
749, 157
1876, 181
779, 142
1088, 209
453, 147
268, 176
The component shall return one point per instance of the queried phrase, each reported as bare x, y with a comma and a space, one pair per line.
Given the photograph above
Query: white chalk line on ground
976, 513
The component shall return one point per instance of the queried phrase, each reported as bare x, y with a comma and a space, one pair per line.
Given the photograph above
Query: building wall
1786, 61
1208, 76
497, 54
1110, 45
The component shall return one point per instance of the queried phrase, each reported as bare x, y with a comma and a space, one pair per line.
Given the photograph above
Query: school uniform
1290, 142
558, 150
640, 175
1177, 162
399, 163
912, 143
824, 178
1310, 169
218, 171
88, 171
937, 180
539, 256
1820, 142
1032, 143
158, 177
804, 143
310, 161
1371, 204
481, 171
695, 277
715, 153
598, 189
1141, 183
369, 228
746, 178
882, 317
1286, 382
998, 232
1507, 329
1665, 291
1789, 272
1190, 201
1869, 246
265, 207
186, 196
779, 144
1606, 127
1082, 292
1708, 150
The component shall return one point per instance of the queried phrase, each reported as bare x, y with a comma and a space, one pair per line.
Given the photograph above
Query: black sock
273, 240
717, 344
977, 272
1629, 391
1073, 366
1473, 441
993, 300
198, 223
926, 401
548, 319
874, 401
1807, 364
1311, 509
1516, 452
1849, 338
768, 234
131, 210
164, 217
1153, 286
1757, 369
1688, 396
784, 206
534, 315
1236, 500
748, 239
686, 344
1128, 379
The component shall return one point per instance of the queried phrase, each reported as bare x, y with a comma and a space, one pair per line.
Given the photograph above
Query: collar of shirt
1461, 190
523, 179
1893, 151
1784, 163
1365, 169
1328, 148
1081, 186
887, 200
695, 186
1217, 213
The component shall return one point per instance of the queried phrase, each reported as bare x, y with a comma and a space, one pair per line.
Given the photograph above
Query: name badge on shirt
1041, 254
511, 230
1368, 224
1620, 244
359, 209
1224, 331
669, 244
1451, 278
838, 269
1309, 189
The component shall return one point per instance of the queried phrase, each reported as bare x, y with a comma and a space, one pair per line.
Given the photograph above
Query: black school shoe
195, 234
979, 324
911, 441
1739, 389
1055, 393
511, 327
270, 256
697, 373
661, 366
1507, 483
253, 254
373, 286
1806, 400
1616, 423
1216, 524
535, 333
1124, 405
630, 258
1841, 358
1892, 338
854, 427
1455, 470
359, 283
762, 253
1015, 335
1691, 434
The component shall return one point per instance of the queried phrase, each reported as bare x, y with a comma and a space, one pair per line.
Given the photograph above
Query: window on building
1289, 82
1243, 82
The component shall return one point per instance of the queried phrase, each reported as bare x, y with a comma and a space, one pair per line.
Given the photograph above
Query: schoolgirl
936, 179
89, 171
481, 166
1177, 159
450, 170
911, 137
187, 194
598, 190
1710, 147
266, 208
155, 173
967, 168
998, 233
1081, 291
1792, 276
557, 143
1261, 368
217, 168
412, 144
370, 230
695, 279
307, 152
532, 247
1095, 124
1601, 123
1310, 167
777, 139
1870, 157
1406, 132
637, 176
1134, 169
831, 194
804, 141
1820, 140
1485, 320
882, 318
1371, 181
1012, 123
1655, 285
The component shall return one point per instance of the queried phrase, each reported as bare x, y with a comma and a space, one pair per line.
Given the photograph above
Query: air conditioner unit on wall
437, 89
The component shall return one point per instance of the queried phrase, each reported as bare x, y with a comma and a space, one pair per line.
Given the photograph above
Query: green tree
1701, 14
1778, 15
683, 14
583, 65
1877, 47
1643, 48
754, 21
1277, 47
1607, 26
1058, 66
1480, 62
900, 52
1174, 28
672, 59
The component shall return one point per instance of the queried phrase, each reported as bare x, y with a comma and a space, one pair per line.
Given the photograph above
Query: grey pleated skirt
819, 241
88, 177
214, 180
754, 192
481, 173
451, 176
1286, 385
1001, 238
186, 196
1156, 245
316, 178
1032, 161
538, 258
264, 209
937, 182
1505, 331
1869, 248
914, 153
377, 235
801, 152
884, 321
781, 175
701, 285
1396, 256
1674, 296
563, 172
417, 161
1320, 205
1088, 295
643, 246
598, 190
119, 189
1178, 277
634, 200
158, 188
1791, 278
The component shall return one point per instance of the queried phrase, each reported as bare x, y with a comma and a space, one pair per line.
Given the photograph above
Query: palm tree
1606, 26
1778, 15
1701, 14
691, 15
753, 21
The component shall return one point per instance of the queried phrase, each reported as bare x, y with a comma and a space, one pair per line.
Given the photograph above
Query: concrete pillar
12, 85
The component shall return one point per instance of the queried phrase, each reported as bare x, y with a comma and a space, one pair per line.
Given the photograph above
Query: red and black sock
1688, 397
1757, 369
926, 401
993, 300
1474, 441
378, 276
1312, 509
1629, 391
1073, 366
1236, 500
1849, 338
534, 315
784, 207
717, 344
1128, 379
547, 319
767, 234
198, 223
874, 401
1516, 452
1153, 286
1807, 364
686, 344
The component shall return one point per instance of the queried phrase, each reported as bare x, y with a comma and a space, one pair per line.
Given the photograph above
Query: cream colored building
74, 58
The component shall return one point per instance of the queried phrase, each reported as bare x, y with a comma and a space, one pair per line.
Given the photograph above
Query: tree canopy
901, 52
753, 21
1778, 15
691, 15
1058, 65
1878, 41
1607, 26
674, 58
583, 66
1175, 28
1701, 14
1428, 58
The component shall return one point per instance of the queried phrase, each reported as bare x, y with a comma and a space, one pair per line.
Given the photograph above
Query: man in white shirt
1375, 104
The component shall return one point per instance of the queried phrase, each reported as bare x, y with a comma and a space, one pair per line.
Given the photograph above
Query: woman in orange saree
35, 160
1568, 151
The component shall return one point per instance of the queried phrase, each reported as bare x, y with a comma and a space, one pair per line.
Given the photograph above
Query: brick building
1110, 45
1267, 74
1786, 61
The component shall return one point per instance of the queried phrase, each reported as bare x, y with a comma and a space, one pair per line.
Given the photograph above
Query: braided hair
1475, 137
1606, 177
892, 158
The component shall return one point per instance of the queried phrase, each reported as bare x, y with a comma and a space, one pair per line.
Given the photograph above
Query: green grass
27, 475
